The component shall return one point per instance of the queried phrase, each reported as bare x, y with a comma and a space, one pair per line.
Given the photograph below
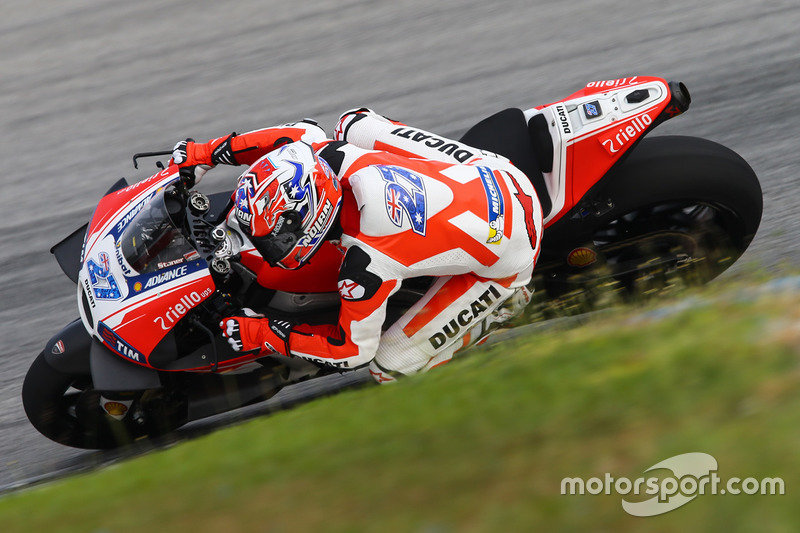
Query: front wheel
676, 208
66, 409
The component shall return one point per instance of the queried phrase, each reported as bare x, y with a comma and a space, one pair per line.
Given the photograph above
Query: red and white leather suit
414, 204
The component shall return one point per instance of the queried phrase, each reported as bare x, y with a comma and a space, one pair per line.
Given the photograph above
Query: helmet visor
280, 243
273, 248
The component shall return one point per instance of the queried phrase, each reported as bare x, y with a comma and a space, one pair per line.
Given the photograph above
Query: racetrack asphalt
87, 83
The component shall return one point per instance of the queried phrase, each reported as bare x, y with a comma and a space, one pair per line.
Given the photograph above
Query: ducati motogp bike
158, 265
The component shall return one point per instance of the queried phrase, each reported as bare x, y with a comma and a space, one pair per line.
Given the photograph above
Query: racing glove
513, 306
189, 169
255, 334
195, 159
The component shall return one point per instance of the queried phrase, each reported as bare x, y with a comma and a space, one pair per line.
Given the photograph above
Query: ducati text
464, 318
563, 119
460, 152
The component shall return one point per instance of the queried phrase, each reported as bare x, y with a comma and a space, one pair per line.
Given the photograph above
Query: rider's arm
247, 148
353, 341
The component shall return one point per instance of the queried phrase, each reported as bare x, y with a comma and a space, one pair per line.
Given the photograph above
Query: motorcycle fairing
128, 311
593, 128
69, 251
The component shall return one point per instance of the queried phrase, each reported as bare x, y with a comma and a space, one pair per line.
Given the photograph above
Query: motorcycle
159, 264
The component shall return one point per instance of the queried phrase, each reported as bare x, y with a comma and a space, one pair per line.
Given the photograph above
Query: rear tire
693, 170
676, 205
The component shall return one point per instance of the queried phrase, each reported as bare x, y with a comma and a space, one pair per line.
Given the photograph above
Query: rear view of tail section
592, 128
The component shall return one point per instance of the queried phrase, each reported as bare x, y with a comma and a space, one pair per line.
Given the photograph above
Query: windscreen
152, 241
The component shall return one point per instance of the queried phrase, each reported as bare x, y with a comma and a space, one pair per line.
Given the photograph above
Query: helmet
286, 202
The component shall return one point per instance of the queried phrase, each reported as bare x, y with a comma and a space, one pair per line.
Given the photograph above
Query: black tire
48, 405
689, 169
66, 409
674, 203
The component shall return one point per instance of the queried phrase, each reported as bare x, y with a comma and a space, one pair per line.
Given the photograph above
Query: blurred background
87, 83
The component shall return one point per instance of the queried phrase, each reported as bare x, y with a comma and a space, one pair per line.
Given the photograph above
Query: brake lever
149, 154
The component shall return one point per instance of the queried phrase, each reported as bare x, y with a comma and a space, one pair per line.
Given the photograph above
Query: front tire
65, 408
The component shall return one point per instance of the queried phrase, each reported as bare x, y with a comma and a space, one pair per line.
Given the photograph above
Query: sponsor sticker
178, 310
131, 214
496, 205
563, 119
115, 408
167, 264
460, 152
115, 343
315, 232
351, 290
611, 84
581, 257
104, 285
625, 134
592, 110
464, 318
164, 277
405, 197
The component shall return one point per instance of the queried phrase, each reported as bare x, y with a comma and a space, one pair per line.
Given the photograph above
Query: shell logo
115, 408
137, 286
581, 257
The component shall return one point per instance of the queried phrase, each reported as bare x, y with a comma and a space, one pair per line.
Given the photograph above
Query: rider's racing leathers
414, 204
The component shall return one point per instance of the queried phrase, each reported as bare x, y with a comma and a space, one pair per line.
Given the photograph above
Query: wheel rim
645, 252
696, 240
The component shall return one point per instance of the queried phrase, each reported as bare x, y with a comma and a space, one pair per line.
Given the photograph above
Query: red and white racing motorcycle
158, 265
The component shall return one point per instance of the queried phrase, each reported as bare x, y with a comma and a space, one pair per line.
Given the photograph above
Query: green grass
482, 444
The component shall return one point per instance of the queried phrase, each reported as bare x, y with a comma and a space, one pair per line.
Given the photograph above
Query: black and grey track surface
87, 83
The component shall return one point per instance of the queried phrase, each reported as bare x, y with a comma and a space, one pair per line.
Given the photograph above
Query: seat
527, 146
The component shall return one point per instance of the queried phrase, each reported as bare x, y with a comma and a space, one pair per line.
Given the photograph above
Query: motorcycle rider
400, 203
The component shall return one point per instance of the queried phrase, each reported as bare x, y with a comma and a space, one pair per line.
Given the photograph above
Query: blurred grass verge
483, 444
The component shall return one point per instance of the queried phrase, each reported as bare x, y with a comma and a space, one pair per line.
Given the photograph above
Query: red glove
195, 159
256, 334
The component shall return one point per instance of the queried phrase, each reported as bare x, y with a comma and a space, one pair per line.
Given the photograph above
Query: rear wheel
677, 211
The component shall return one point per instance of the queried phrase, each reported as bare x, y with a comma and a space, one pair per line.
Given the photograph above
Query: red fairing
594, 154
591, 146
144, 323
605, 86
110, 204
132, 310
